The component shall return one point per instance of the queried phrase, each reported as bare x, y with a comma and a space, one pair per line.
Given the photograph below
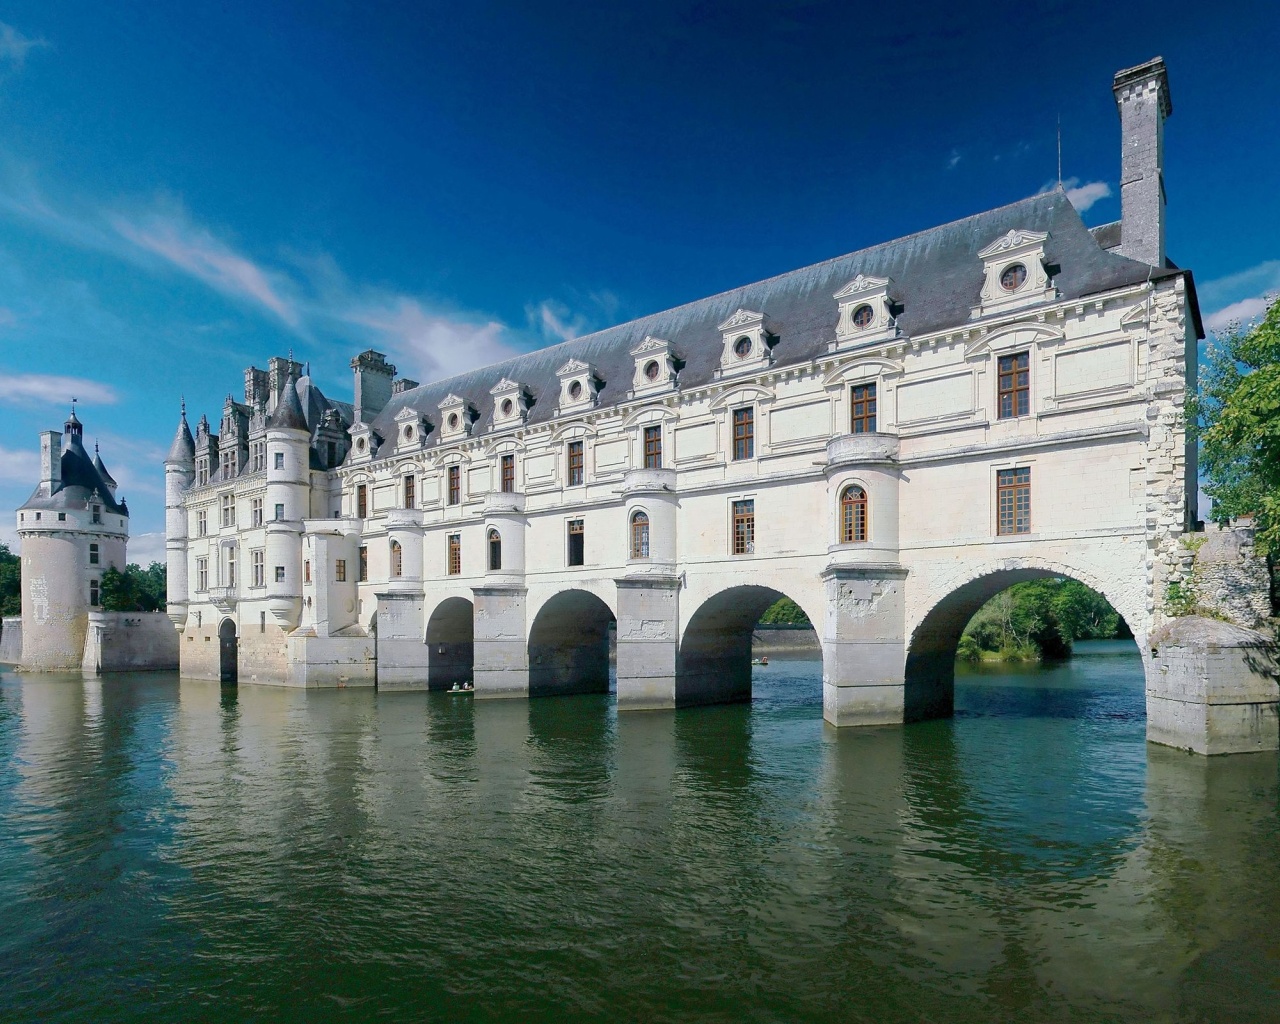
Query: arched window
853, 515
495, 551
397, 559
640, 535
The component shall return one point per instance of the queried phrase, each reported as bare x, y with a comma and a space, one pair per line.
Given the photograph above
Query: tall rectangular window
306, 571
455, 554
1015, 385
454, 478
231, 567
255, 511
93, 554
258, 560
410, 488
862, 406
575, 463
744, 527
279, 460
364, 564
93, 593
653, 447
202, 574
577, 547
340, 570
228, 510
202, 522
97, 513
1013, 500
279, 512
508, 473
744, 434
362, 501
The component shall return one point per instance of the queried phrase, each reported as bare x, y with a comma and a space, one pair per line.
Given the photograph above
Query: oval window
360, 445
507, 407
742, 347
453, 421
575, 390
862, 316
408, 433
652, 369
1012, 277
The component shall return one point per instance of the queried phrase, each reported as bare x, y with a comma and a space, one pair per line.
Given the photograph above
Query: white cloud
555, 321
953, 159
208, 259
1241, 296
146, 548
19, 466
1084, 196
51, 389
14, 46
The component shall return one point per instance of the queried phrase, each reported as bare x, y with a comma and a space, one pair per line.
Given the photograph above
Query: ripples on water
180, 851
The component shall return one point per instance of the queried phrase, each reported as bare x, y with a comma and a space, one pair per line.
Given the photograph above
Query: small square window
279, 460
279, 573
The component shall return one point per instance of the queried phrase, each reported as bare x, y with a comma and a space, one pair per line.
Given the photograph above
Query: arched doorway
714, 665
935, 643
450, 646
569, 645
228, 670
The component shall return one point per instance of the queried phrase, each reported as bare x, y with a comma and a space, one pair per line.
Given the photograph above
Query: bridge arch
450, 639
713, 665
933, 639
569, 644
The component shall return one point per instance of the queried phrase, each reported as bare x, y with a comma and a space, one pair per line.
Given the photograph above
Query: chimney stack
50, 461
1142, 97
372, 385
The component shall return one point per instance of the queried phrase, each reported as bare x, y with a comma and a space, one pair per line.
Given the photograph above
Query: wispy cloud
1082, 195
145, 548
1241, 296
19, 466
14, 46
30, 388
556, 321
953, 158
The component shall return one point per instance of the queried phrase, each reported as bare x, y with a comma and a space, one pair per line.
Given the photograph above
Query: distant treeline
1027, 622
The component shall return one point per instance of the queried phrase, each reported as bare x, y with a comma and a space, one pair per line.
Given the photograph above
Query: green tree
784, 612
10, 582
135, 589
1237, 417
1039, 619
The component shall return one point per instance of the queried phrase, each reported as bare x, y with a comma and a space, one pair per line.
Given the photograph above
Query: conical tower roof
107, 478
183, 448
288, 412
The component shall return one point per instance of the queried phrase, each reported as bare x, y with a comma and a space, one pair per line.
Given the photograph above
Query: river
179, 851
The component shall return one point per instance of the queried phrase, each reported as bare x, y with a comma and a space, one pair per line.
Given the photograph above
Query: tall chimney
1142, 97
372, 385
50, 461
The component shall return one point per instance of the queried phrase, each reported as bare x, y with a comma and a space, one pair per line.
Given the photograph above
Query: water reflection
181, 850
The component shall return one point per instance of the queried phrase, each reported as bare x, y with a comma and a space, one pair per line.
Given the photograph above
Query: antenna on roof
1059, 150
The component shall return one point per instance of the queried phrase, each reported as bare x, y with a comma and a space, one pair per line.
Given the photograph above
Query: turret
287, 503
179, 472
107, 478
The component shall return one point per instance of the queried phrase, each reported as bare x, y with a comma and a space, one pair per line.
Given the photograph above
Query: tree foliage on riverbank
135, 589
1237, 417
784, 612
1040, 619
10, 582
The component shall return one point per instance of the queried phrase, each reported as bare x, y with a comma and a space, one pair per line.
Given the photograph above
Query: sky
189, 189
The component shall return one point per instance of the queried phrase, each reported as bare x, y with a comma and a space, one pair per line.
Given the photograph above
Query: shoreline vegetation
1030, 622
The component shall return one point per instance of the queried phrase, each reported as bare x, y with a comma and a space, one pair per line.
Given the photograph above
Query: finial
95, 447
184, 406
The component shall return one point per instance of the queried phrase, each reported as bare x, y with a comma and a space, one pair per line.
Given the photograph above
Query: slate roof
80, 479
288, 411
937, 277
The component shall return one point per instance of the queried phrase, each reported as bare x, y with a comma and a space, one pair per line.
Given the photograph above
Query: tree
135, 589
784, 612
10, 582
1237, 417
1039, 619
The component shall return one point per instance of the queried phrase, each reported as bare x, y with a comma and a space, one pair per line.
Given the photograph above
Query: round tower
179, 472
287, 503
72, 530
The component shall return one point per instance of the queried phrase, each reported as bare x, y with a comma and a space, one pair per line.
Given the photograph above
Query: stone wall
11, 640
130, 642
1227, 577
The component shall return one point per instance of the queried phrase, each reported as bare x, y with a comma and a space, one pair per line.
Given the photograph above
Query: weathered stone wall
130, 642
11, 641
1226, 576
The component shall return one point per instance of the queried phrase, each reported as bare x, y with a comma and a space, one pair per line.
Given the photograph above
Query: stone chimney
50, 461
1142, 97
372, 385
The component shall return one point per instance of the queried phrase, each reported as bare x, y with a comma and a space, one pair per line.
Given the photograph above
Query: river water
178, 851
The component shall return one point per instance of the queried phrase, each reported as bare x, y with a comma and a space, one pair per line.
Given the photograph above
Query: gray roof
288, 411
101, 467
80, 480
183, 448
937, 277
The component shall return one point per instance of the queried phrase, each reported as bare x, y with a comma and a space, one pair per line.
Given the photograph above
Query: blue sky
186, 189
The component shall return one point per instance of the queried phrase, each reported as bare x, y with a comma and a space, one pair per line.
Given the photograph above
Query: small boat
760, 661
466, 687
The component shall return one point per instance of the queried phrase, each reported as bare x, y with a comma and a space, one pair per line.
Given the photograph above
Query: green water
176, 851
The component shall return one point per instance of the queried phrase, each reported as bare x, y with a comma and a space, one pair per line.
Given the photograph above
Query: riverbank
784, 640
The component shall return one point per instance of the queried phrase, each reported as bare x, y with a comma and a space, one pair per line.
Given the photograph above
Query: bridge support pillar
648, 638
1211, 688
863, 645
501, 644
402, 656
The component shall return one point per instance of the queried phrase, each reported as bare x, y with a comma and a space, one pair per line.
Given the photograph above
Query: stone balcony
403, 518
862, 449
223, 598
498, 502
649, 481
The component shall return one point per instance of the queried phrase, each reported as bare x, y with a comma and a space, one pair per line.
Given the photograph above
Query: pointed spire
288, 412
102, 471
183, 449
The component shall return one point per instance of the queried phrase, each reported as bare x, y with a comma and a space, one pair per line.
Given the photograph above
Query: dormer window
456, 416
867, 312
579, 386
1012, 277
748, 339
863, 316
1014, 273
655, 367
510, 404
